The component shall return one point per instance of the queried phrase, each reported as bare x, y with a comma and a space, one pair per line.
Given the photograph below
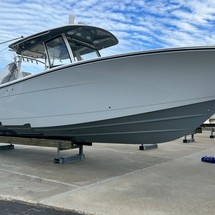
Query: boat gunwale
124, 55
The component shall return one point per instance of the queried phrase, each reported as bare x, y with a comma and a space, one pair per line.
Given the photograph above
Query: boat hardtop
58, 46
93, 37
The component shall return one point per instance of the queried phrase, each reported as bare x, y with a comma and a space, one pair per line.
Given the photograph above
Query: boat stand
191, 140
61, 145
7, 147
148, 146
212, 133
74, 158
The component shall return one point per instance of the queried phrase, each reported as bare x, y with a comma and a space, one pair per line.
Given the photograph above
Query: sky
138, 24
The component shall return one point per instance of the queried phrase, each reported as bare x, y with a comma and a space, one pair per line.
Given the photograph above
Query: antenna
71, 19
11, 40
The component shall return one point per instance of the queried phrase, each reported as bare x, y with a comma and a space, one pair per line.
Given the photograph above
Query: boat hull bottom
147, 128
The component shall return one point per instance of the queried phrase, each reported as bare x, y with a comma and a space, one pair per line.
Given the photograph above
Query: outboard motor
9, 73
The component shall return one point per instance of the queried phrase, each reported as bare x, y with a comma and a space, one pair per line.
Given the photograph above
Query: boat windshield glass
57, 52
83, 51
81, 55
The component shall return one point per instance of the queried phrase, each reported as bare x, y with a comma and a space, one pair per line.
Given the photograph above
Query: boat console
57, 47
65, 45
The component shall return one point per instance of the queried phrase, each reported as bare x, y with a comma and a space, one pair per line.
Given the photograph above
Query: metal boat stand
212, 133
69, 159
59, 144
7, 147
148, 146
191, 140
211, 126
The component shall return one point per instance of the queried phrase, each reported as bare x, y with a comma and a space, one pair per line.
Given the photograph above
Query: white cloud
138, 24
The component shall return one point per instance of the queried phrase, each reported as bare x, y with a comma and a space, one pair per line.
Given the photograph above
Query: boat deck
115, 179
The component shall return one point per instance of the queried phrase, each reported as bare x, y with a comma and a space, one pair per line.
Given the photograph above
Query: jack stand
7, 147
198, 130
78, 157
191, 140
148, 146
212, 133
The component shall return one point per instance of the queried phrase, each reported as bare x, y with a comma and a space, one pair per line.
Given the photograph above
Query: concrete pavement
115, 179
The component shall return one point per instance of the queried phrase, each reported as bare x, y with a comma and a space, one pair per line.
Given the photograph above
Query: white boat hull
125, 99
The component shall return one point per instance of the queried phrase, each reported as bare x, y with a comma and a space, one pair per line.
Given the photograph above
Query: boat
144, 97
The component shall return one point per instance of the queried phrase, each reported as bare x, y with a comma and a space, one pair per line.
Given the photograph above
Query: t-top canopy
33, 46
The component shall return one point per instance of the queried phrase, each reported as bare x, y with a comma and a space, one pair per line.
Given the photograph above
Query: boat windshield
57, 52
83, 51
